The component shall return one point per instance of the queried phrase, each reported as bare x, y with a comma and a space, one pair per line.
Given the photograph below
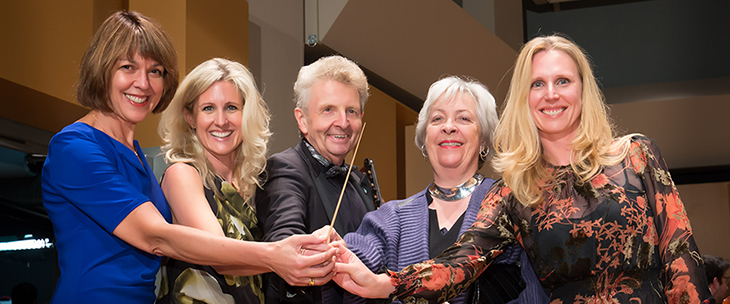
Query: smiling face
136, 87
333, 119
555, 95
216, 118
452, 135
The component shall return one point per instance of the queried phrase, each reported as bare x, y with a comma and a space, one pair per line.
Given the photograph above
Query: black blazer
294, 201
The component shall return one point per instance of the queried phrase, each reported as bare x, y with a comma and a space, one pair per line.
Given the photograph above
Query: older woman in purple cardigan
454, 132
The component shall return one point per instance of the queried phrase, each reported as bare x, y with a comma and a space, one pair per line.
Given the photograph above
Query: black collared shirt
352, 208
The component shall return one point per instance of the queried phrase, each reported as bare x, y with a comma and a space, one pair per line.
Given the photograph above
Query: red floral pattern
622, 237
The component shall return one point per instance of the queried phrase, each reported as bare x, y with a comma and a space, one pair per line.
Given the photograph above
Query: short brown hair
125, 33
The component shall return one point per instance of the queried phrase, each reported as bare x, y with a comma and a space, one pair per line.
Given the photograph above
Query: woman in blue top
110, 217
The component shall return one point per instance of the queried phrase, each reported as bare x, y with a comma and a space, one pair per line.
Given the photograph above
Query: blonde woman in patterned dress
599, 217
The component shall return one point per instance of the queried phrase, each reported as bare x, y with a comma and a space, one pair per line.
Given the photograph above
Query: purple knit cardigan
396, 236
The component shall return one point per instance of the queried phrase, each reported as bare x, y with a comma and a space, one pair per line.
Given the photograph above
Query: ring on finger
311, 282
303, 251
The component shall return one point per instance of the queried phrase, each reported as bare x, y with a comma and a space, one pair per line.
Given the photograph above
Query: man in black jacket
303, 183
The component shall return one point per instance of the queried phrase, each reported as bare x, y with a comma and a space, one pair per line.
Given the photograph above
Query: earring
483, 153
423, 151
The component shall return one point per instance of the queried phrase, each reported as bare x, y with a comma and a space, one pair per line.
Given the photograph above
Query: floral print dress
624, 237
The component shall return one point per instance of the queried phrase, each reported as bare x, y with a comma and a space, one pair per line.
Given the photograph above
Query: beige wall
319, 15
379, 141
276, 55
682, 128
216, 29
48, 39
481, 10
708, 208
419, 172
42, 45
200, 30
416, 42
508, 22
41, 51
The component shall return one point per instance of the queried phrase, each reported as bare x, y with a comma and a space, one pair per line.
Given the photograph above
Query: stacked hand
318, 258
308, 259
297, 269
355, 277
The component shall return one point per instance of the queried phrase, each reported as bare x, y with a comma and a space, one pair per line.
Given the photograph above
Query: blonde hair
182, 145
517, 143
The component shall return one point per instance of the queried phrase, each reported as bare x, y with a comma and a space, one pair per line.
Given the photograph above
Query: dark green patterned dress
189, 283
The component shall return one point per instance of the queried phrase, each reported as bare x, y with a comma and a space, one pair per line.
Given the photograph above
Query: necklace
98, 126
458, 192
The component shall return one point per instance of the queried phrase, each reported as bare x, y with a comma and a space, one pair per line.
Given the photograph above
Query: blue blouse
91, 182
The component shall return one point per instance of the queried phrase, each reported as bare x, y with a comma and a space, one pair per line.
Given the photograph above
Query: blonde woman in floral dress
599, 217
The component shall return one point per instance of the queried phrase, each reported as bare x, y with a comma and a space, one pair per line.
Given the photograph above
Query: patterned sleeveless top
183, 282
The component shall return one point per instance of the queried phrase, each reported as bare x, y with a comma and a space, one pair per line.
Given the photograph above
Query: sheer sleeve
684, 275
450, 273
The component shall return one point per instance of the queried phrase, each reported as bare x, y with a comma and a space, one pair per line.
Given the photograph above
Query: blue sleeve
81, 170
533, 292
372, 238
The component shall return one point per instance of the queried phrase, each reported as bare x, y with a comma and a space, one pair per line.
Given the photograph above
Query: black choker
458, 192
